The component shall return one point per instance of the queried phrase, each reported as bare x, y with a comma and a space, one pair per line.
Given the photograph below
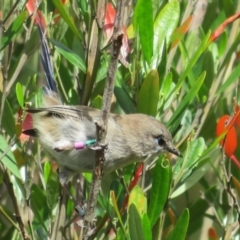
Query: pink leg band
79, 145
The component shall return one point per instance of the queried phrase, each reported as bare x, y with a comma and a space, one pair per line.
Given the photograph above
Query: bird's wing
68, 111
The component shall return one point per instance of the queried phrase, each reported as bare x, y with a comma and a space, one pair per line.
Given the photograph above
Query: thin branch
102, 126
8, 183
9, 186
11, 11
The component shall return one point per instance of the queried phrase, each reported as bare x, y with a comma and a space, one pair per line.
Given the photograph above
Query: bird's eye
160, 141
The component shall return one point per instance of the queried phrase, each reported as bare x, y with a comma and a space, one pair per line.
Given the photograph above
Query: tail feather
46, 61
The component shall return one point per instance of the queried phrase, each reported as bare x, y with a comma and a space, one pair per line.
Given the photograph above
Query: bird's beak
174, 151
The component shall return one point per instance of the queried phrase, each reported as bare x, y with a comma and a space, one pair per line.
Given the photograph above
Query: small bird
67, 132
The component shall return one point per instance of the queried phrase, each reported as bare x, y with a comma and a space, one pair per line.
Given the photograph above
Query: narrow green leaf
138, 198
149, 94
180, 230
197, 174
124, 99
230, 52
160, 189
231, 79
208, 67
60, 30
202, 47
197, 147
71, 56
120, 235
66, 16
164, 26
115, 206
12, 31
135, 224
188, 98
7, 157
166, 87
144, 17
147, 230
19, 92
194, 151
46, 170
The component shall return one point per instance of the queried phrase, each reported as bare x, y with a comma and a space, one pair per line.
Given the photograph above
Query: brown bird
65, 132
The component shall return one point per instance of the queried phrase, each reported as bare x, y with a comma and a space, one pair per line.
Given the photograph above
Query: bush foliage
179, 62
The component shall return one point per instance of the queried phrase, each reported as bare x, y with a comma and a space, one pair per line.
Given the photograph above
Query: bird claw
99, 146
81, 210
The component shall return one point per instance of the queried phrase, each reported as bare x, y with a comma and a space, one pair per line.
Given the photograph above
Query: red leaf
212, 234
109, 21
221, 126
133, 183
30, 6
39, 19
230, 140
180, 31
221, 28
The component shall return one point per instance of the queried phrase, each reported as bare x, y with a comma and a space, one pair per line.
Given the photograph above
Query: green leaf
71, 56
7, 157
180, 230
149, 94
122, 94
166, 87
60, 30
199, 208
135, 224
66, 16
194, 151
12, 31
19, 92
97, 102
8, 122
231, 79
115, 206
208, 67
197, 147
46, 170
194, 178
160, 189
164, 26
202, 47
144, 20
147, 230
52, 190
229, 53
138, 198
39, 206
188, 98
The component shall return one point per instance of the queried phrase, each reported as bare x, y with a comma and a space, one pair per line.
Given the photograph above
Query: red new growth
230, 140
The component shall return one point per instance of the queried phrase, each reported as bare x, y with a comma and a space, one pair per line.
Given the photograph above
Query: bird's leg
64, 176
